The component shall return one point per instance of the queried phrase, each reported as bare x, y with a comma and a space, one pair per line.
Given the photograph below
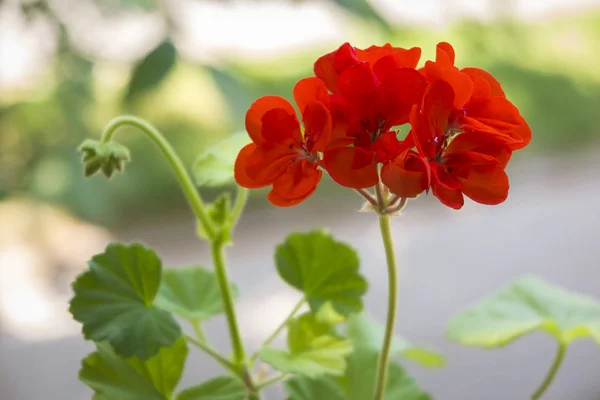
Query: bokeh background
192, 68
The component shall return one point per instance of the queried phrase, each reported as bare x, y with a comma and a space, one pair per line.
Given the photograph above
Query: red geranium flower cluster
463, 129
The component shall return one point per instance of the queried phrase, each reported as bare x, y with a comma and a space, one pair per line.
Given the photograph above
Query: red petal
407, 175
358, 83
402, 89
486, 184
460, 82
477, 73
338, 163
429, 126
317, 126
480, 143
258, 109
282, 128
400, 59
298, 180
452, 198
277, 200
239, 170
328, 67
310, 89
267, 162
444, 54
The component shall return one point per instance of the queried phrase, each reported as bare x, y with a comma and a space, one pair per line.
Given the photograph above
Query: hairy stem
560, 355
185, 181
382, 368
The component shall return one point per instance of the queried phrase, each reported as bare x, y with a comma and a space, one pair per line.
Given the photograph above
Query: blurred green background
550, 68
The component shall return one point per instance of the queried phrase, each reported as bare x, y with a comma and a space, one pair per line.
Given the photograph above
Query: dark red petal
317, 126
282, 128
407, 175
477, 73
452, 198
338, 163
486, 184
308, 90
239, 170
358, 83
401, 89
258, 109
277, 200
299, 179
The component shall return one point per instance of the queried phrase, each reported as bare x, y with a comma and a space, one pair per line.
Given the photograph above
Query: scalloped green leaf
303, 388
114, 377
524, 306
114, 302
219, 388
364, 331
313, 349
324, 269
214, 167
192, 293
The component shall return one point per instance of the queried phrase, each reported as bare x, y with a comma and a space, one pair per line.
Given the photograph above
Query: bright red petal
460, 82
338, 163
477, 73
317, 126
444, 54
298, 181
480, 143
308, 90
486, 184
277, 200
358, 83
328, 67
267, 162
258, 109
401, 89
390, 62
282, 128
239, 170
452, 198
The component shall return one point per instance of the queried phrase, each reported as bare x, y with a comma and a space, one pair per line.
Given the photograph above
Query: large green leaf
359, 379
113, 377
524, 306
192, 293
313, 349
364, 331
220, 388
303, 388
214, 167
152, 69
114, 302
324, 269
358, 382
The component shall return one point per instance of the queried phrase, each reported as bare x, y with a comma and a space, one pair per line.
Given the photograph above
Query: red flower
375, 95
480, 104
329, 67
284, 153
453, 164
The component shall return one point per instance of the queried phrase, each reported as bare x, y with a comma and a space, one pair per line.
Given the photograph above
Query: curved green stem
560, 355
187, 185
240, 203
213, 353
227, 296
382, 368
281, 326
271, 381
199, 332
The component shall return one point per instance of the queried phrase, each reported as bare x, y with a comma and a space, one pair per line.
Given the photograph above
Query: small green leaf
359, 379
114, 302
324, 269
220, 388
152, 70
365, 332
328, 315
106, 157
314, 349
303, 388
524, 306
214, 167
192, 293
113, 377
219, 213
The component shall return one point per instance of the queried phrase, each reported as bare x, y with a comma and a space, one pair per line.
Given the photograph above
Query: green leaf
524, 306
219, 213
314, 349
214, 167
112, 377
220, 388
106, 157
192, 293
303, 388
114, 302
359, 379
365, 332
151, 70
324, 269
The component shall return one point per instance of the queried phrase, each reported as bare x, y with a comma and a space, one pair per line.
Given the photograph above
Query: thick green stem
280, 328
560, 355
186, 182
227, 296
382, 368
